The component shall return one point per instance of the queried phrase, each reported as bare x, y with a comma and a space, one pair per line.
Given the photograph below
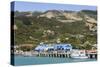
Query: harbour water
22, 60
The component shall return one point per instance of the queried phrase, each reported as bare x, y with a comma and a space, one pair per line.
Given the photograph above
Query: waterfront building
91, 53
54, 47
65, 47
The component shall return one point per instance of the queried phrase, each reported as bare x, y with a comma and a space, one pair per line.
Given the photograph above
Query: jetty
55, 54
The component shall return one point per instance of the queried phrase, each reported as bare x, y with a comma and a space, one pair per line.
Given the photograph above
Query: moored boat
81, 54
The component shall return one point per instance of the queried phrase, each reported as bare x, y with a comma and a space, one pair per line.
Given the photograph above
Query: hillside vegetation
55, 26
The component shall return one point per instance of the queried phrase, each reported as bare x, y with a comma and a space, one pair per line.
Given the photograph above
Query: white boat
81, 54
79, 57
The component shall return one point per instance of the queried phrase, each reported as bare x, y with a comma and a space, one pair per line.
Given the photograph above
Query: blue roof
64, 46
41, 47
55, 46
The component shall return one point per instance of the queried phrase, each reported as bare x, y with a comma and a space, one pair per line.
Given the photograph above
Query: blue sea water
21, 60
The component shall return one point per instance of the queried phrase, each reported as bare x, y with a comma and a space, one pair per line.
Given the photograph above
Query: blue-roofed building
53, 47
65, 47
41, 47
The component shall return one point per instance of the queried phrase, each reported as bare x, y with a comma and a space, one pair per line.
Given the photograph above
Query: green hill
35, 29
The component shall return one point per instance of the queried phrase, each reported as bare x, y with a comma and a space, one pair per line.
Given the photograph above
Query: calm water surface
21, 60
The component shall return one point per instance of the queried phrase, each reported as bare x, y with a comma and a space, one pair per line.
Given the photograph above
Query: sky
33, 6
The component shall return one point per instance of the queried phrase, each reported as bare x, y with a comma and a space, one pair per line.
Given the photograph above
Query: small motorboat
81, 54
79, 57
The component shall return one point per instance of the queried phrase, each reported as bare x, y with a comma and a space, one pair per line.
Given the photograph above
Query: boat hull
80, 57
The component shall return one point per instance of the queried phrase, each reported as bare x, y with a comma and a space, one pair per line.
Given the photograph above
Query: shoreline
52, 54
